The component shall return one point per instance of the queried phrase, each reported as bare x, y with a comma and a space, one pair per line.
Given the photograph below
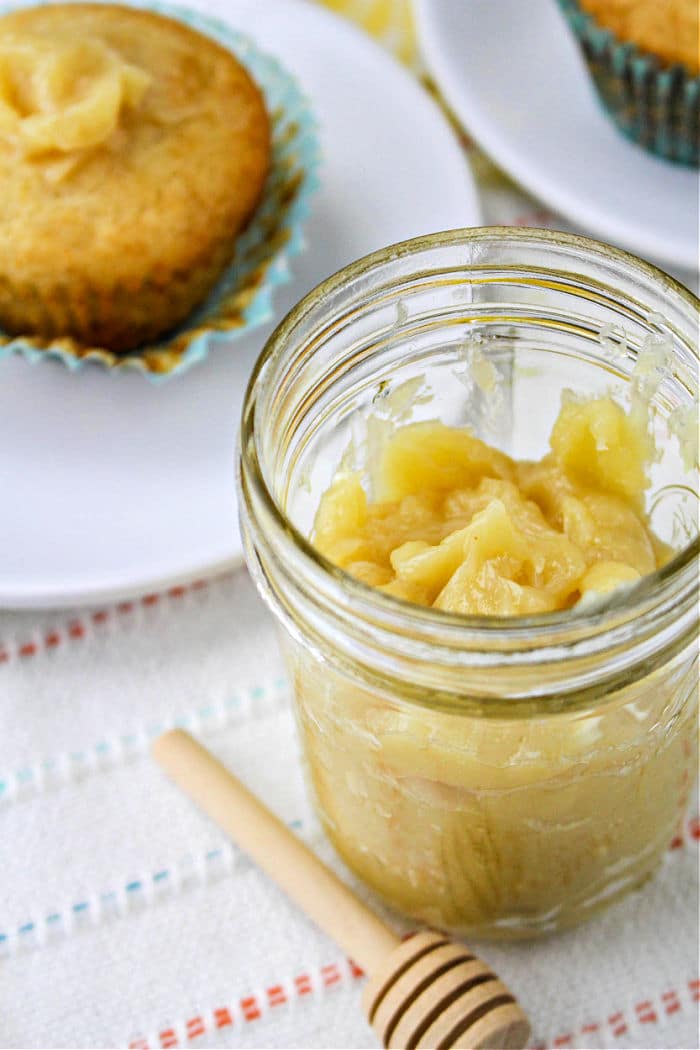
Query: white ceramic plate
514, 75
110, 486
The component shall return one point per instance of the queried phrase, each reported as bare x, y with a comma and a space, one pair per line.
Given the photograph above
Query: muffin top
666, 28
130, 145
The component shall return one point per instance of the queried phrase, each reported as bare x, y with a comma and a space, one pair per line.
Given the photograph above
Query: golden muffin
644, 59
669, 29
133, 150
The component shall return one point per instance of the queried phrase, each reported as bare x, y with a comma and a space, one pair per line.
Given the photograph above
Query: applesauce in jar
487, 584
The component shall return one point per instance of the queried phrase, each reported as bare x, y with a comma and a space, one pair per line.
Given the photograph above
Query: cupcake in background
133, 152
644, 57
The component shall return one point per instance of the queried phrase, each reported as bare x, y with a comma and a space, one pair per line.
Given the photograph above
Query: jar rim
630, 604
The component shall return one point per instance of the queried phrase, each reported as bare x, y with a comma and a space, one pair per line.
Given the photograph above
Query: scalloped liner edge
260, 309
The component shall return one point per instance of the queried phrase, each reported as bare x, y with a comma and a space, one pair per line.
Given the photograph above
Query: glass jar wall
493, 776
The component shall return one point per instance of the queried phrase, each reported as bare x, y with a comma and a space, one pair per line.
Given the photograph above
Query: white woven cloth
127, 919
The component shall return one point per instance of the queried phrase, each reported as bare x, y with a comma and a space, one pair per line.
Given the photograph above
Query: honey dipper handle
274, 848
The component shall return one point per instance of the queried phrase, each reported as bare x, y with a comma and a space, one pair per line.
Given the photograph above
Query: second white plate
110, 486
516, 79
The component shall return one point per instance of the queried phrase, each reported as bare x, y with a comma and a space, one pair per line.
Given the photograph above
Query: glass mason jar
500, 777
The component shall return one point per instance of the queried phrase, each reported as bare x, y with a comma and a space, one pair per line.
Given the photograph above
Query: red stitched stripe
251, 1008
618, 1024
330, 975
222, 1018
303, 984
671, 1002
195, 1026
77, 629
694, 828
276, 996
646, 1012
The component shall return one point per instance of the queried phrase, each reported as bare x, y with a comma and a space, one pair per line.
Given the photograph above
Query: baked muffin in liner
653, 104
242, 298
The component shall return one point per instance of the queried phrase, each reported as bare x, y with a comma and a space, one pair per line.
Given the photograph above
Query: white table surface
126, 917
127, 920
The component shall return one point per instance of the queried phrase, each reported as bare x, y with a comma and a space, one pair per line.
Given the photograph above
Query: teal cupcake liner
657, 107
242, 299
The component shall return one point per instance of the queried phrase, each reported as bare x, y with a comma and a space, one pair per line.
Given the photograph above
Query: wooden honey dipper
423, 992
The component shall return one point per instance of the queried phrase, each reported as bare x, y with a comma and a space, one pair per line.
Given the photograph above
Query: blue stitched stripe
28, 774
160, 876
